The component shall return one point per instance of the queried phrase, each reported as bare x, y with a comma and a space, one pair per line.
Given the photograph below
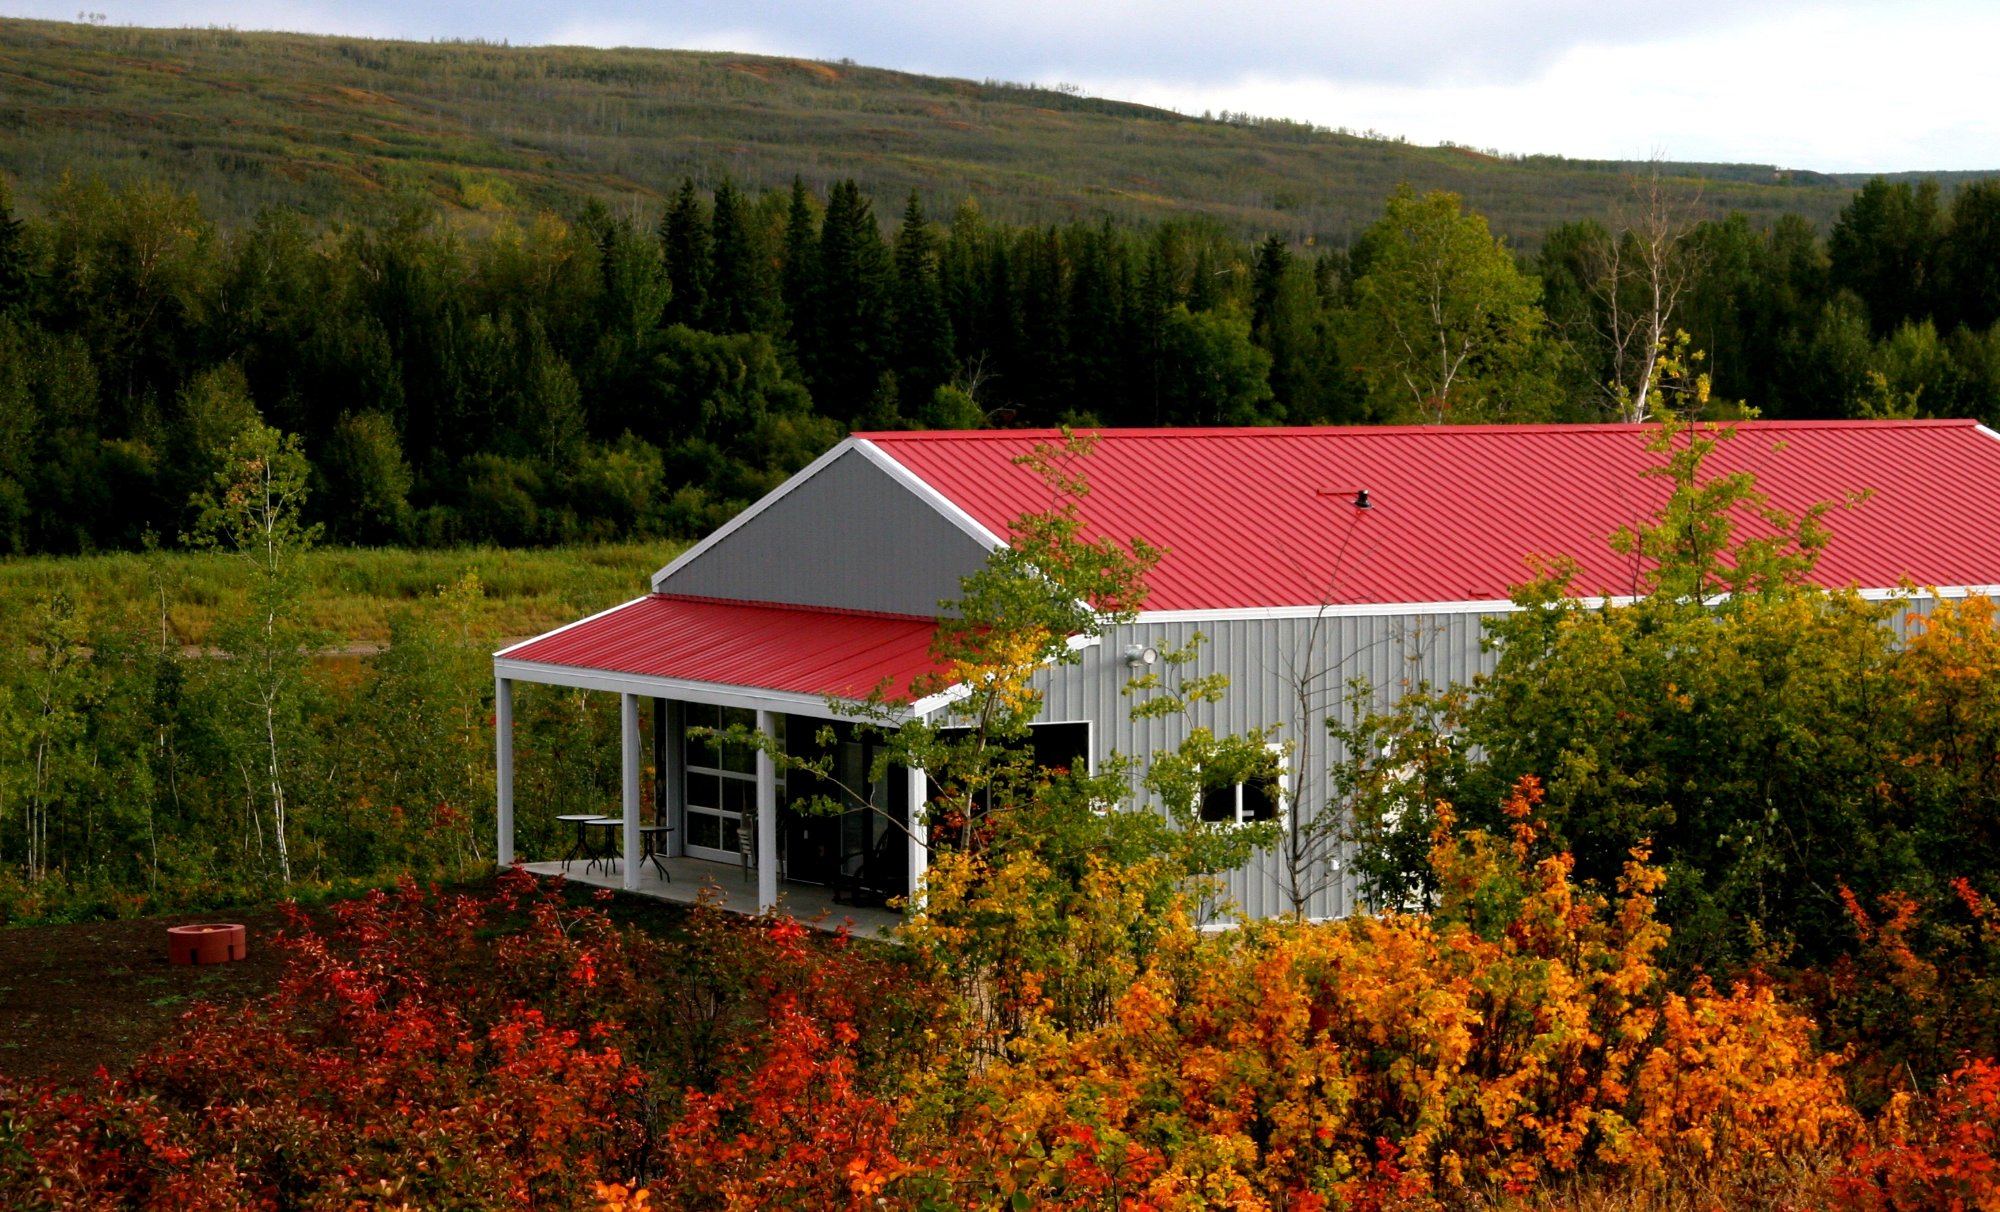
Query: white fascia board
1988, 432
759, 506
916, 485
959, 691
752, 697
1339, 610
1930, 591
1489, 606
930, 704
565, 627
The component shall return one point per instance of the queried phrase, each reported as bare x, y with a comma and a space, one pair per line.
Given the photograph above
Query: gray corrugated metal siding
849, 537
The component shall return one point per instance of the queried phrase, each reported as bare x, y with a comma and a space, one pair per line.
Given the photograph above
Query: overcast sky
1846, 85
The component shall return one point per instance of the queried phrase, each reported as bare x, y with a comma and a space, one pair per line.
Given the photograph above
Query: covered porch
733, 889
718, 815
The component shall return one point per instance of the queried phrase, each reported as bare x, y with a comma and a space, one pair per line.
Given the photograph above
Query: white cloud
1853, 91
584, 30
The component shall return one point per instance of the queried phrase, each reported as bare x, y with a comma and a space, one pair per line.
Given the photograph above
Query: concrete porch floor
728, 888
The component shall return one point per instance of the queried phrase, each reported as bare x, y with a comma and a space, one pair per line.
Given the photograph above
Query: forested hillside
357, 128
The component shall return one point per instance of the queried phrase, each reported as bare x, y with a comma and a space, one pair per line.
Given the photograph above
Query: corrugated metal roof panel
843, 653
1265, 517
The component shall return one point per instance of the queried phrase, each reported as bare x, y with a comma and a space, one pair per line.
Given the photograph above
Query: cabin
1305, 557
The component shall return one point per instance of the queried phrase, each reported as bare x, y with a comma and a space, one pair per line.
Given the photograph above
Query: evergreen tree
1093, 378
962, 280
799, 283
1039, 263
619, 387
684, 242
736, 290
14, 280
1203, 290
851, 310
1267, 276
923, 328
1146, 326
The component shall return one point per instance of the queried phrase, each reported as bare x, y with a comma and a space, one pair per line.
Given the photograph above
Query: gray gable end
847, 535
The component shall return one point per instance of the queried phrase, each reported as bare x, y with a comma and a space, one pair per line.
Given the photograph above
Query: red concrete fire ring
205, 944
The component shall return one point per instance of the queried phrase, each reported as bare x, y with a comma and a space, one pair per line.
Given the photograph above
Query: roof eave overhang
756, 698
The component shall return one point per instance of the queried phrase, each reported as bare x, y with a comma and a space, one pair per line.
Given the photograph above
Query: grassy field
354, 128
355, 594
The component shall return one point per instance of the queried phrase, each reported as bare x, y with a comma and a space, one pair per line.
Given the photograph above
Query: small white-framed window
1260, 797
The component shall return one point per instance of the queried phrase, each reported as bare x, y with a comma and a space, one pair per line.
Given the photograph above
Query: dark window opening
1253, 799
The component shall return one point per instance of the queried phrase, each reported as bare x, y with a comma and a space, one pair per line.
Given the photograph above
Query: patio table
579, 848
651, 837
608, 853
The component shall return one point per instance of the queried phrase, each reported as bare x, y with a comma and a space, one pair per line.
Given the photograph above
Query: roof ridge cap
1199, 432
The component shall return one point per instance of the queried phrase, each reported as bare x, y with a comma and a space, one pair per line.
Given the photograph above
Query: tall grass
356, 592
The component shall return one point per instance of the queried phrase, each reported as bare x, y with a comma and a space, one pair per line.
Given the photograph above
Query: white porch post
767, 822
628, 718
672, 766
503, 770
920, 853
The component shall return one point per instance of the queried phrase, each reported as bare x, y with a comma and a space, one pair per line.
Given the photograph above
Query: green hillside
352, 128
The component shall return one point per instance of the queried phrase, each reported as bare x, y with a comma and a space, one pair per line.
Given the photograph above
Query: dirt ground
76, 997
73, 998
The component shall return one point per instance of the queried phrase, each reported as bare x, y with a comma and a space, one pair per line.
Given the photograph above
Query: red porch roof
805, 650
1266, 517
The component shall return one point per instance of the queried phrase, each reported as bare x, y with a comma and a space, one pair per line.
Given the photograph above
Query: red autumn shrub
1940, 1157
490, 1051
393, 1064
797, 1130
111, 1149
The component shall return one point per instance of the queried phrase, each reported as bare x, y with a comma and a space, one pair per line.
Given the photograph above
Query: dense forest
587, 376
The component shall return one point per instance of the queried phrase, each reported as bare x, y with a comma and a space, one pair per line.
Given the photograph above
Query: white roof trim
951, 510
1928, 591
565, 627
652, 686
756, 507
1334, 610
1483, 606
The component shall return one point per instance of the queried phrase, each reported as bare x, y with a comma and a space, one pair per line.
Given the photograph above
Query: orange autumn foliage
1523, 1032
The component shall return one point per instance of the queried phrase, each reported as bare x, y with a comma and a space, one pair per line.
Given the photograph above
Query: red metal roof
807, 650
1265, 517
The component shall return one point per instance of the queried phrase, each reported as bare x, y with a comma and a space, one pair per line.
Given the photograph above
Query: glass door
721, 783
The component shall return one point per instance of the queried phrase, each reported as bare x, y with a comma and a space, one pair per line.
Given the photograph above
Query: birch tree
1628, 284
252, 511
